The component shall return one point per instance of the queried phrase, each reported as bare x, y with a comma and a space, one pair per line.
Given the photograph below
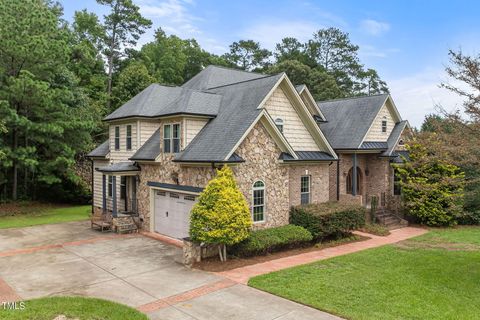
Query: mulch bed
213, 264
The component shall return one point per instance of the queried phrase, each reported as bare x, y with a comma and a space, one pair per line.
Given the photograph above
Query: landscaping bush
266, 241
328, 219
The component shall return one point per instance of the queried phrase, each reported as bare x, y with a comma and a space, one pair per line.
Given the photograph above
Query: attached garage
171, 206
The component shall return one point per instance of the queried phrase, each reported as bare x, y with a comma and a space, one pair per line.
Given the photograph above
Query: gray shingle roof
157, 100
393, 138
119, 167
375, 145
101, 151
236, 113
307, 156
214, 76
150, 149
399, 156
348, 120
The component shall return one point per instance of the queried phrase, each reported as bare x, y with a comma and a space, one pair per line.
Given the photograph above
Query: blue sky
405, 41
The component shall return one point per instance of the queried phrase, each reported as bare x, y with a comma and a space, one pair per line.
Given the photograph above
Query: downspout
338, 179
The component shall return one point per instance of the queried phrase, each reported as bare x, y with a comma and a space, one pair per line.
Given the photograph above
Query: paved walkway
135, 270
243, 274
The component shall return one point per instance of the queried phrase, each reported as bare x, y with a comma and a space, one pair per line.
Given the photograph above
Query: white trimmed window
258, 201
129, 137
123, 187
171, 138
279, 124
110, 186
384, 124
117, 138
305, 189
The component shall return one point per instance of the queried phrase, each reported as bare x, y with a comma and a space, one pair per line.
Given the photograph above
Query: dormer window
279, 124
384, 124
171, 138
117, 138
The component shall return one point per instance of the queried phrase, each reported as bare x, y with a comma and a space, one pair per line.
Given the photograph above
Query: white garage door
172, 213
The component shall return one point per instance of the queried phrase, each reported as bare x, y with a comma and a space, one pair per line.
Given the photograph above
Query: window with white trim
110, 186
384, 124
128, 141
258, 201
305, 189
171, 138
123, 187
117, 138
279, 124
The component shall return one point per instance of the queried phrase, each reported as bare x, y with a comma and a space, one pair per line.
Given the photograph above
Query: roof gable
215, 76
348, 120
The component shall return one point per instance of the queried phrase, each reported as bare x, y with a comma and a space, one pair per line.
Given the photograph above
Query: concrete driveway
71, 259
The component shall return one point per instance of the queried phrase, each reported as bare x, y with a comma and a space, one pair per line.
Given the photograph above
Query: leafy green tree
291, 49
123, 25
432, 188
131, 81
40, 102
369, 83
321, 85
248, 55
221, 215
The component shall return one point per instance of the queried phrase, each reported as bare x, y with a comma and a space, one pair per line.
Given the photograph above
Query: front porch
119, 195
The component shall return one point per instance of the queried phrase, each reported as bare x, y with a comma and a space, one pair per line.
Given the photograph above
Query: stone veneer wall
261, 163
319, 182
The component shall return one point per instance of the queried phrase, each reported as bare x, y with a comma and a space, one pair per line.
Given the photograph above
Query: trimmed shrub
328, 219
261, 242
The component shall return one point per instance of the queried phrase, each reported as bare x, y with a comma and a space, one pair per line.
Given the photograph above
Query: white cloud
269, 33
172, 15
372, 51
374, 27
418, 94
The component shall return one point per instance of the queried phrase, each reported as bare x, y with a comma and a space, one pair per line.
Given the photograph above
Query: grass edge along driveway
38, 216
434, 276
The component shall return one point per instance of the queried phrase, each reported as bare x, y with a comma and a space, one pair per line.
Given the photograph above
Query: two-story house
165, 143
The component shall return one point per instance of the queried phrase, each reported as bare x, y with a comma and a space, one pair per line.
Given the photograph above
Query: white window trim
115, 138
384, 120
309, 188
171, 136
264, 188
280, 123
109, 183
127, 136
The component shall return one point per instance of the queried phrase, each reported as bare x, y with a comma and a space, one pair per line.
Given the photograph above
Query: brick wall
319, 182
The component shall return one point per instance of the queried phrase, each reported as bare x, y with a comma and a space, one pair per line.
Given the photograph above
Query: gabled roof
348, 120
394, 137
150, 149
157, 100
236, 114
215, 76
101, 151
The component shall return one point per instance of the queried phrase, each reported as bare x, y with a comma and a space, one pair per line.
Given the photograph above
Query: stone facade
282, 181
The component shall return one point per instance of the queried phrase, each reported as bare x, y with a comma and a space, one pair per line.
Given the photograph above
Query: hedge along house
165, 143
368, 135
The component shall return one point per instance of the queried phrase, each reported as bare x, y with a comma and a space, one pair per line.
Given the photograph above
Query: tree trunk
224, 252
220, 254
15, 167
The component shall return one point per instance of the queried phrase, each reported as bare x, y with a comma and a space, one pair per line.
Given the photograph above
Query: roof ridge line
249, 80
351, 98
233, 69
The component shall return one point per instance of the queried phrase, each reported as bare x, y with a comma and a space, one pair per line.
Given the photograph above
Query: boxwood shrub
328, 219
261, 242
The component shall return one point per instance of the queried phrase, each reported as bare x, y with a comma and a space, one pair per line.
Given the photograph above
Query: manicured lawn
34, 215
434, 276
78, 308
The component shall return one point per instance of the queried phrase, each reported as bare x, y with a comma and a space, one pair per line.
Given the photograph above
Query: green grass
42, 215
73, 308
422, 278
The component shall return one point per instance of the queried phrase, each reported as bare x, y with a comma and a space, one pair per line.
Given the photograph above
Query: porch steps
125, 225
390, 220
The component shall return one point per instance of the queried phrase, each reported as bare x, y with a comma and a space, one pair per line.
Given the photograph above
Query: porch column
114, 196
354, 175
104, 193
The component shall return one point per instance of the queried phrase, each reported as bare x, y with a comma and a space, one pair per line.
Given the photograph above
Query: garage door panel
176, 223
